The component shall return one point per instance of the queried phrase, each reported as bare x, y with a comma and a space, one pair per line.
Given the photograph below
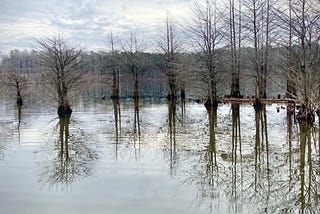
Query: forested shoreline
153, 80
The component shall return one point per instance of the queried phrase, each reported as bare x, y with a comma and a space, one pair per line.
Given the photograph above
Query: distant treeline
96, 66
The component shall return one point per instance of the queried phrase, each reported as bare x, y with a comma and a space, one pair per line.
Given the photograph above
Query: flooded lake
156, 158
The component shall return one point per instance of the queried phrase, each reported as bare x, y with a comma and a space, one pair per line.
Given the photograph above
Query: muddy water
156, 158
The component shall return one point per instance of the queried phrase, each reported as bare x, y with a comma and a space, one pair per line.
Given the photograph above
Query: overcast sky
84, 21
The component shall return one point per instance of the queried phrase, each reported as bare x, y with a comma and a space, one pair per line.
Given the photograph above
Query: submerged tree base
135, 97
171, 97
64, 111
211, 105
257, 105
305, 118
19, 102
114, 97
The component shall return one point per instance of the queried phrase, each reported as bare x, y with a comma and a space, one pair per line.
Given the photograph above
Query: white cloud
87, 21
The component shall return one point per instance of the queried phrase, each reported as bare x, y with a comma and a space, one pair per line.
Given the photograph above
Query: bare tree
258, 25
291, 88
187, 77
169, 44
235, 30
134, 62
301, 22
206, 34
114, 65
62, 61
110, 67
14, 80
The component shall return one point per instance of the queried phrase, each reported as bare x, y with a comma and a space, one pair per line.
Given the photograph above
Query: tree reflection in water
136, 129
211, 154
122, 132
261, 194
207, 170
19, 122
309, 171
235, 170
236, 149
136, 122
290, 118
73, 159
172, 107
178, 124
9, 130
240, 175
117, 123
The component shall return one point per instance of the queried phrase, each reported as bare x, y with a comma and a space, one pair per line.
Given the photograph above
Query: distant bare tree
110, 67
257, 18
14, 80
114, 66
206, 35
169, 44
134, 61
62, 61
187, 78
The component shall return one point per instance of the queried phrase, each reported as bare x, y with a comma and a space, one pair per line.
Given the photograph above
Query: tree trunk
64, 109
19, 98
212, 101
136, 87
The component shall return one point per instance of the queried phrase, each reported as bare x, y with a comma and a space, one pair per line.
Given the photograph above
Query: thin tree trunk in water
115, 85
256, 58
291, 89
266, 53
235, 85
239, 48
183, 94
115, 71
304, 68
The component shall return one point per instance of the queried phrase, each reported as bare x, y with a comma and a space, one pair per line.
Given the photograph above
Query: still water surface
152, 158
